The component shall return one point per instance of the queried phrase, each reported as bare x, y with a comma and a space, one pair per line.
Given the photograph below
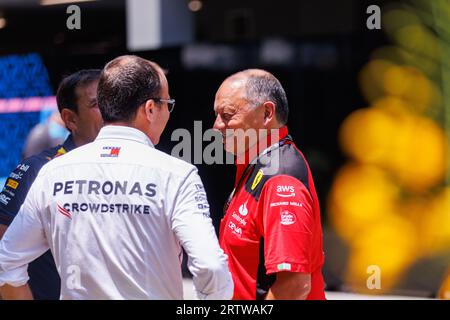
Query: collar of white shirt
124, 133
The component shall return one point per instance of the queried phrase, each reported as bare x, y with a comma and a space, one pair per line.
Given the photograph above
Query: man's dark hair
265, 87
125, 84
66, 96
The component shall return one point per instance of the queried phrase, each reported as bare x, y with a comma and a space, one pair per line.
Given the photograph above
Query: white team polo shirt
115, 214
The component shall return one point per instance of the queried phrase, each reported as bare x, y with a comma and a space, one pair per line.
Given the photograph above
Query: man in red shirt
271, 230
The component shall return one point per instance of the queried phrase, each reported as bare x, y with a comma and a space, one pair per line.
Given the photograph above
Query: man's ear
149, 110
69, 118
269, 111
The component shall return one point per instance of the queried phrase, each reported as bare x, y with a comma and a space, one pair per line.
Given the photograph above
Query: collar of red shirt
254, 151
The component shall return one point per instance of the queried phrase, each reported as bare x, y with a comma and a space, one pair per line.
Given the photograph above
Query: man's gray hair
263, 86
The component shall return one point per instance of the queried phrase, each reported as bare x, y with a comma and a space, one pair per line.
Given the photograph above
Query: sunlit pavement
190, 295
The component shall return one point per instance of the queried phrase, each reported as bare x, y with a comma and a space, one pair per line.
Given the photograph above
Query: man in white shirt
116, 212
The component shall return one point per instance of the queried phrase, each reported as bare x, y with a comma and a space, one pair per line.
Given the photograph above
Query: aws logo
285, 191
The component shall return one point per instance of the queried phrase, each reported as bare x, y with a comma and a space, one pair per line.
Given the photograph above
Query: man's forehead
235, 83
88, 86
231, 90
231, 94
235, 105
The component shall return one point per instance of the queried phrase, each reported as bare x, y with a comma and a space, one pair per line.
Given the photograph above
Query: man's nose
219, 124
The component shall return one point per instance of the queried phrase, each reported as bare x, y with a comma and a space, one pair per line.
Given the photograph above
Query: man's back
114, 213
117, 212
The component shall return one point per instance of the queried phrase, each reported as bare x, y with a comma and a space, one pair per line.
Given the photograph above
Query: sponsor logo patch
199, 186
13, 184
287, 218
284, 266
8, 191
60, 152
239, 219
64, 212
16, 176
285, 191
4, 199
201, 199
112, 152
243, 211
257, 179
281, 203
23, 167
286, 203
235, 229
203, 206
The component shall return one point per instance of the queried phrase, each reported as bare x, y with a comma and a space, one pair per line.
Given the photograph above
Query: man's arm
23, 292
16, 189
2, 232
13, 195
290, 286
288, 237
23, 242
193, 227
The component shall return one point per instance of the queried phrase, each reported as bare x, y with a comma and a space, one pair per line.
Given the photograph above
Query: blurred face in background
236, 118
87, 122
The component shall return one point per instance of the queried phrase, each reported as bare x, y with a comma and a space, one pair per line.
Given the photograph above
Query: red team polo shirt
273, 223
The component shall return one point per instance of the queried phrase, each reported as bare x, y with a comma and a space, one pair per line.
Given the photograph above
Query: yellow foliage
360, 196
389, 244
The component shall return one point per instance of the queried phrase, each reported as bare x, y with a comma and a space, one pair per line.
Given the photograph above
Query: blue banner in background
21, 76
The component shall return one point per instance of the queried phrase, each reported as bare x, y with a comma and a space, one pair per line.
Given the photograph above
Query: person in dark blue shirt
77, 104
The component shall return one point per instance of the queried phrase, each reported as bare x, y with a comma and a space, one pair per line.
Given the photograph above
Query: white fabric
109, 248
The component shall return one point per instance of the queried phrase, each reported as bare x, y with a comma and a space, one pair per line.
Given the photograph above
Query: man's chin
235, 149
229, 148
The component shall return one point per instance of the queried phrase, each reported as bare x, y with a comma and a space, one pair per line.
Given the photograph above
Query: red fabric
255, 150
292, 230
288, 224
287, 216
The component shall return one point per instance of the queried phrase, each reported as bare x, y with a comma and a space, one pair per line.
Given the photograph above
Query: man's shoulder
35, 162
49, 154
19, 182
171, 163
284, 161
105, 151
33, 165
292, 162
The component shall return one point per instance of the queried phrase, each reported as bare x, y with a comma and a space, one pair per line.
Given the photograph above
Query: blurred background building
369, 108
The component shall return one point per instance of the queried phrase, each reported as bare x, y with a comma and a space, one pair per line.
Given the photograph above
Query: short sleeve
24, 240
288, 223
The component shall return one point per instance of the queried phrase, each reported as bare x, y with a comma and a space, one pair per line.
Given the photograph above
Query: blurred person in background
271, 230
45, 135
77, 104
117, 212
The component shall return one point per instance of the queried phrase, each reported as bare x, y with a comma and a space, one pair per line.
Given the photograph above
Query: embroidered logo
287, 218
243, 211
113, 152
64, 212
257, 179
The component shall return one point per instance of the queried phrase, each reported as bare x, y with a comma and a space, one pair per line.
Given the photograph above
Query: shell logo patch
257, 179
